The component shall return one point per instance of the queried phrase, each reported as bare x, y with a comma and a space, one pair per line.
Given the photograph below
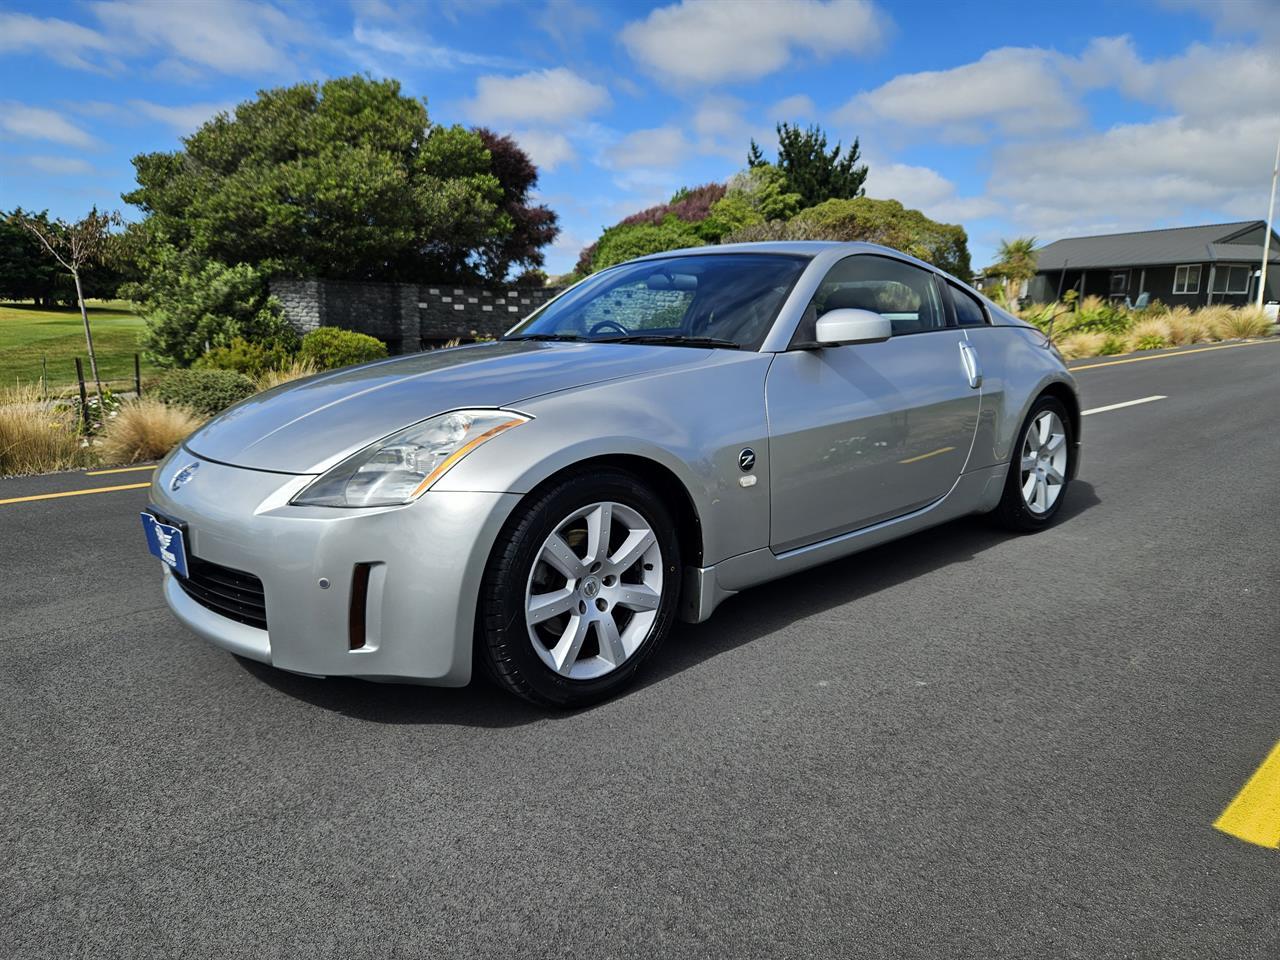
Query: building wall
407, 316
1158, 282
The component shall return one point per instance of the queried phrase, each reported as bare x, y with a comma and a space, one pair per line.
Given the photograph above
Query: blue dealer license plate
167, 543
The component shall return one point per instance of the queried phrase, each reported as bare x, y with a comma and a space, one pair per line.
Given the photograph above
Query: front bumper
428, 558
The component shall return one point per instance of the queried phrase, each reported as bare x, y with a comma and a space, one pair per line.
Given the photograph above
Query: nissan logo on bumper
183, 476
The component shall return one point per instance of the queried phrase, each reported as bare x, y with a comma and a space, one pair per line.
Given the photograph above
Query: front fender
693, 422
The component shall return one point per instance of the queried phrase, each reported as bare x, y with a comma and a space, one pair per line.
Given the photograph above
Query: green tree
628, 240
1016, 263
886, 222
347, 179
755, 195
27, 272
193, 305
813, 171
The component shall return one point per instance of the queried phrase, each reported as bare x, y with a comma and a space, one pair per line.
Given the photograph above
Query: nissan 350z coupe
652, 441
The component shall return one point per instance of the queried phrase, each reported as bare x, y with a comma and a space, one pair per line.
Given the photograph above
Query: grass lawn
28, 333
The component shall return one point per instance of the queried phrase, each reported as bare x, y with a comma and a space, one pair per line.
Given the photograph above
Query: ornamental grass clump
295, 370
1239, 323
146, 429
1074, 346
1149, 334
1186, 327
35, 437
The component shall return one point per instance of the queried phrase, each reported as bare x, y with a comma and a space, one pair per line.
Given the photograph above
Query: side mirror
847, 325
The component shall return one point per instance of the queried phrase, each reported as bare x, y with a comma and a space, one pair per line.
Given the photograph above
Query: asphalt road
960, 745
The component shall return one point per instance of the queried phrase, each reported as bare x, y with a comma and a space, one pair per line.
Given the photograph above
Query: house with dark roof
1192, 266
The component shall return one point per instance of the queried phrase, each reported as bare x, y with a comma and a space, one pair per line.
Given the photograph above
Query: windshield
716, 300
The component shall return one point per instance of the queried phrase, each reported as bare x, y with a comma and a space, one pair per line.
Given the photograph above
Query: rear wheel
581, 588
1040, 469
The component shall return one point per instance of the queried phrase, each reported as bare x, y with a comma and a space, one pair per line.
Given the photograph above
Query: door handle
972, 367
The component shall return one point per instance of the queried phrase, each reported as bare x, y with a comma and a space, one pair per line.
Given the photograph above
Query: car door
862, 433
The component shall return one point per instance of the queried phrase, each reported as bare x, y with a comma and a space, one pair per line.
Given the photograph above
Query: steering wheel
603, 324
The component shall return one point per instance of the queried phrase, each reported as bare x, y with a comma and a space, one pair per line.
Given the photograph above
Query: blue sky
1010, 118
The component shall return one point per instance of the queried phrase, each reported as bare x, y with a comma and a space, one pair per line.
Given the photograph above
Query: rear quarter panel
1017, 365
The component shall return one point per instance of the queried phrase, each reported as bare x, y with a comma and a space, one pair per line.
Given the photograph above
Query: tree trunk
88, 339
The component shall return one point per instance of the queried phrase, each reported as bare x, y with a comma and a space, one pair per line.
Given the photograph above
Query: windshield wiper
676, 341
545, 336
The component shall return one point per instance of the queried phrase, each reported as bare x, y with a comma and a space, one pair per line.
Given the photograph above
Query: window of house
1186, 278
969, 312
1231, 279
1119, 283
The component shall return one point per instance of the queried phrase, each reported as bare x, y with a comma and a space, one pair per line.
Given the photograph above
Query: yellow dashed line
1254, 815
103, 473
1181, 353
75, 493
926, 456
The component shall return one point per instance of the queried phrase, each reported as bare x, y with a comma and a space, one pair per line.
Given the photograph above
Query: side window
905, 294
969, 312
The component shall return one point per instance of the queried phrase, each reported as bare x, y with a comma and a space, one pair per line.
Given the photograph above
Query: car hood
310, 425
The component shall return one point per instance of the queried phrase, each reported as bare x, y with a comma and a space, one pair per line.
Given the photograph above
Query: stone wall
407, 316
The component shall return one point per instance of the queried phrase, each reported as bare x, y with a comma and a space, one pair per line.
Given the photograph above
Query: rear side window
969, 312
905, 294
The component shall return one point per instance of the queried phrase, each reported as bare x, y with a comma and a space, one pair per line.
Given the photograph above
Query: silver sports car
657, 438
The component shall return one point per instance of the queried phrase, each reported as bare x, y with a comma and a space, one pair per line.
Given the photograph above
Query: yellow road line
1181, 353
926, 456
103, 473
75, 493
1254, 815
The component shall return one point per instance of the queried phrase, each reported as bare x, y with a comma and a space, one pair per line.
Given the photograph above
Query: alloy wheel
1044, 462
594, 590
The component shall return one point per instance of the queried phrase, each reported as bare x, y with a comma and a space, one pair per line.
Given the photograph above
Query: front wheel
581, 588
1040, 470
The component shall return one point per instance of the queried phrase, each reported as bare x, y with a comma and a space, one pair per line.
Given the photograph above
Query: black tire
1013, 513
503, 643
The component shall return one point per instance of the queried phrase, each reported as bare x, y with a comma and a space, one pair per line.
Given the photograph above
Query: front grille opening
230, 593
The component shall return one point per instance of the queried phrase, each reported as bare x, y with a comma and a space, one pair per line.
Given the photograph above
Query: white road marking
1127, 403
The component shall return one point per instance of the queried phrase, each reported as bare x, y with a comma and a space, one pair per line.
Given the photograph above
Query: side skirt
705, 588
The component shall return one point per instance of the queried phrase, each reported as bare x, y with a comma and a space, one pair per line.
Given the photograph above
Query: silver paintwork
855, 445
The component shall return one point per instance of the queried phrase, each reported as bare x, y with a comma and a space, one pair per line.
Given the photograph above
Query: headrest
856, 298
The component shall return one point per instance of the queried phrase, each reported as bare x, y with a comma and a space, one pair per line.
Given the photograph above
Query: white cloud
793, 109
184, 119
658, 148
231, 36
37, 123
59, 166
1204, 81
704, 41
1142, 174
1013, 90
568, 21
719, 117
926, 190
546, 149
542, 96
69, 44
419, 50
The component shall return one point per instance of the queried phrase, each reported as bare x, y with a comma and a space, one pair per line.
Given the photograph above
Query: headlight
405, 465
